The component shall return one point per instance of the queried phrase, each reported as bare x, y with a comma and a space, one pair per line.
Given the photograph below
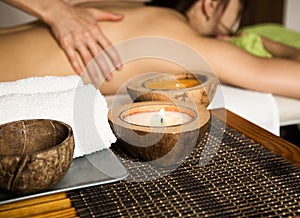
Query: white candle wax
161, 118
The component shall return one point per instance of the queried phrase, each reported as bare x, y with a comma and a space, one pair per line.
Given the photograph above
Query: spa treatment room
149, 108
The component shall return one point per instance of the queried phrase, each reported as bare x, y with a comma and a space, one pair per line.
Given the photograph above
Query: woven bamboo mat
242, 179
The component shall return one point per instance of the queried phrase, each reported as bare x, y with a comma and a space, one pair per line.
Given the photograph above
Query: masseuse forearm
43, 9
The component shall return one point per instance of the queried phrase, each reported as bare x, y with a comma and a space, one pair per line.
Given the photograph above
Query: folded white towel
81, 106
41, 84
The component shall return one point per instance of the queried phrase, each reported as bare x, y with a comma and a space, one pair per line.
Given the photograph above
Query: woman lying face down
32, 51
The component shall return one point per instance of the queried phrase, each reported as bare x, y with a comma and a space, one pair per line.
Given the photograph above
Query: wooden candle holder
165, 145
142, 89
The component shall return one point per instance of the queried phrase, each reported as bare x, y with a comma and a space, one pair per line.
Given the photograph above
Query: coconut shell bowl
159, 132
34, 155
187, 87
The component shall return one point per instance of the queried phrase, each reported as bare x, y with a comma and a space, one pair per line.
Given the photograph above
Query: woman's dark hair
181, 6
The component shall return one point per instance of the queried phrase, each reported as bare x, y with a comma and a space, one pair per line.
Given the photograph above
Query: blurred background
285, 12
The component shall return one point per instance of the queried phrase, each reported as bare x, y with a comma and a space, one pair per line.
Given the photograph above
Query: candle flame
162, 112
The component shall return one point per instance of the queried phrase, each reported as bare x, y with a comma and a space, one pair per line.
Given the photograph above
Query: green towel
251, 41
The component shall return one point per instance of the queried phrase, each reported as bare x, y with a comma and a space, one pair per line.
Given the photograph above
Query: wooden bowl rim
70, 134
202, 116
138, 84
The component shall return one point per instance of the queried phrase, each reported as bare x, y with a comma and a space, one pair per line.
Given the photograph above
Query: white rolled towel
82, 107
41, 84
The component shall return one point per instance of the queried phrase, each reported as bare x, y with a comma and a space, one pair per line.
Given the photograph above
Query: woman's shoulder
150, 13
165, 21
149, 20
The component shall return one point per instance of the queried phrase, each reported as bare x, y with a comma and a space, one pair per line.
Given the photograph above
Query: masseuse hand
78, 33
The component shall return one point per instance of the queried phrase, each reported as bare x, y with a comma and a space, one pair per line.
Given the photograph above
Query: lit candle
172, 84
160, 118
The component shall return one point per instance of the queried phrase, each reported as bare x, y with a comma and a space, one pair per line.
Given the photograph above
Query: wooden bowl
186, 87
34, 155
162, 145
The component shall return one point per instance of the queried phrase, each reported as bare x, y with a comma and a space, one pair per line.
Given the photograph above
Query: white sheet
257, 107
289, 110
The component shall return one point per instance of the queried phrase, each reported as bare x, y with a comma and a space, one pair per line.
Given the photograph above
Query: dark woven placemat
242, 180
